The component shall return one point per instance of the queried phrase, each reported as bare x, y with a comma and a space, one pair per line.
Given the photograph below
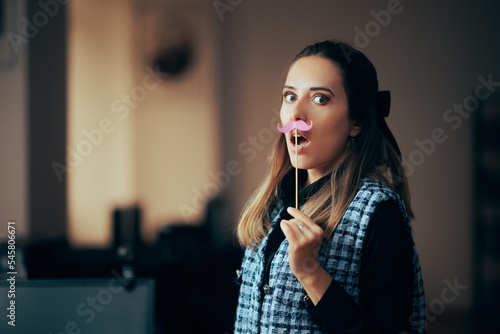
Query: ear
355, 129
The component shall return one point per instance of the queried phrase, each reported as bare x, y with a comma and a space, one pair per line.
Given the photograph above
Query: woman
345, 262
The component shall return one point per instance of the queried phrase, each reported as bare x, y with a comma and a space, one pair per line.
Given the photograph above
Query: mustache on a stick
291, 125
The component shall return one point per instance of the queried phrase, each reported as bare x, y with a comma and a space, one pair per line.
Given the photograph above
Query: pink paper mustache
290, 125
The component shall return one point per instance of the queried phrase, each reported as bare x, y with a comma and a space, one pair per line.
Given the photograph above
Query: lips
302, 141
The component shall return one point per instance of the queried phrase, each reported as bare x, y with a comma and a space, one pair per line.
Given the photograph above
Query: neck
314, 175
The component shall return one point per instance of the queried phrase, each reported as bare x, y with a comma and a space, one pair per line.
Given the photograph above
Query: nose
298, 112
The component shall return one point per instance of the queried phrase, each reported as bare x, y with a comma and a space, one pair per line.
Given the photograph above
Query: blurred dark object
199, 282
127, 241
174, 43
127, 227
487, 216
194, 278
174, 59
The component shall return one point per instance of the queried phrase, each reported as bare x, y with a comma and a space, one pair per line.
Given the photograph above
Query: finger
305, 234
309, 234
299, 215
290, 230
299, 224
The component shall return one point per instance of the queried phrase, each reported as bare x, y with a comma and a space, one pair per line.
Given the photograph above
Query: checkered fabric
283, 309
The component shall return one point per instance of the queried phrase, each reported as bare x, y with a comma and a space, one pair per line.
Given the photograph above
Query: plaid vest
283, 309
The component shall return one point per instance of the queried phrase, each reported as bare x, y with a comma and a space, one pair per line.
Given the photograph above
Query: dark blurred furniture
195, 290
126, 227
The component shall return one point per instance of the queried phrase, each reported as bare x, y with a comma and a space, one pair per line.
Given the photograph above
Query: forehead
314, 71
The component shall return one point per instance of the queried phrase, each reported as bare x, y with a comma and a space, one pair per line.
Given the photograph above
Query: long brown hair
369, 155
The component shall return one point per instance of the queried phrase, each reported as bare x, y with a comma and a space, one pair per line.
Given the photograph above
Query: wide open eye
289, 97
320, 99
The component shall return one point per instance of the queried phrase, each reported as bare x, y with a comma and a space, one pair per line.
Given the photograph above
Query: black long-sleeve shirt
386, 275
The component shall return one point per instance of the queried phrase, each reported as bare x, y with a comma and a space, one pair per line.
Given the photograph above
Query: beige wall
159, 138
99, 70
177, 127
429, 55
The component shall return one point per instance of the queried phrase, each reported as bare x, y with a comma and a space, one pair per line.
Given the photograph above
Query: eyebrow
313, 89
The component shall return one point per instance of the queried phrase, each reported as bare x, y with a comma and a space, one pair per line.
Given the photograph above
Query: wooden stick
296, 173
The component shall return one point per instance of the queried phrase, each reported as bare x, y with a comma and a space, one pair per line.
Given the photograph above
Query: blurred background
132, 132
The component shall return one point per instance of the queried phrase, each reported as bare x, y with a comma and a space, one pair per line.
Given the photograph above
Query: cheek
282, 115
336, 125
336, 134
334, 142
341, 123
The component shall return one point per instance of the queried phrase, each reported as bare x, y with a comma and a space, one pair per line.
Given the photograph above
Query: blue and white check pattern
283, 310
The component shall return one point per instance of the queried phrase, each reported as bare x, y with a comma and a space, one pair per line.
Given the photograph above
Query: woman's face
314, 91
